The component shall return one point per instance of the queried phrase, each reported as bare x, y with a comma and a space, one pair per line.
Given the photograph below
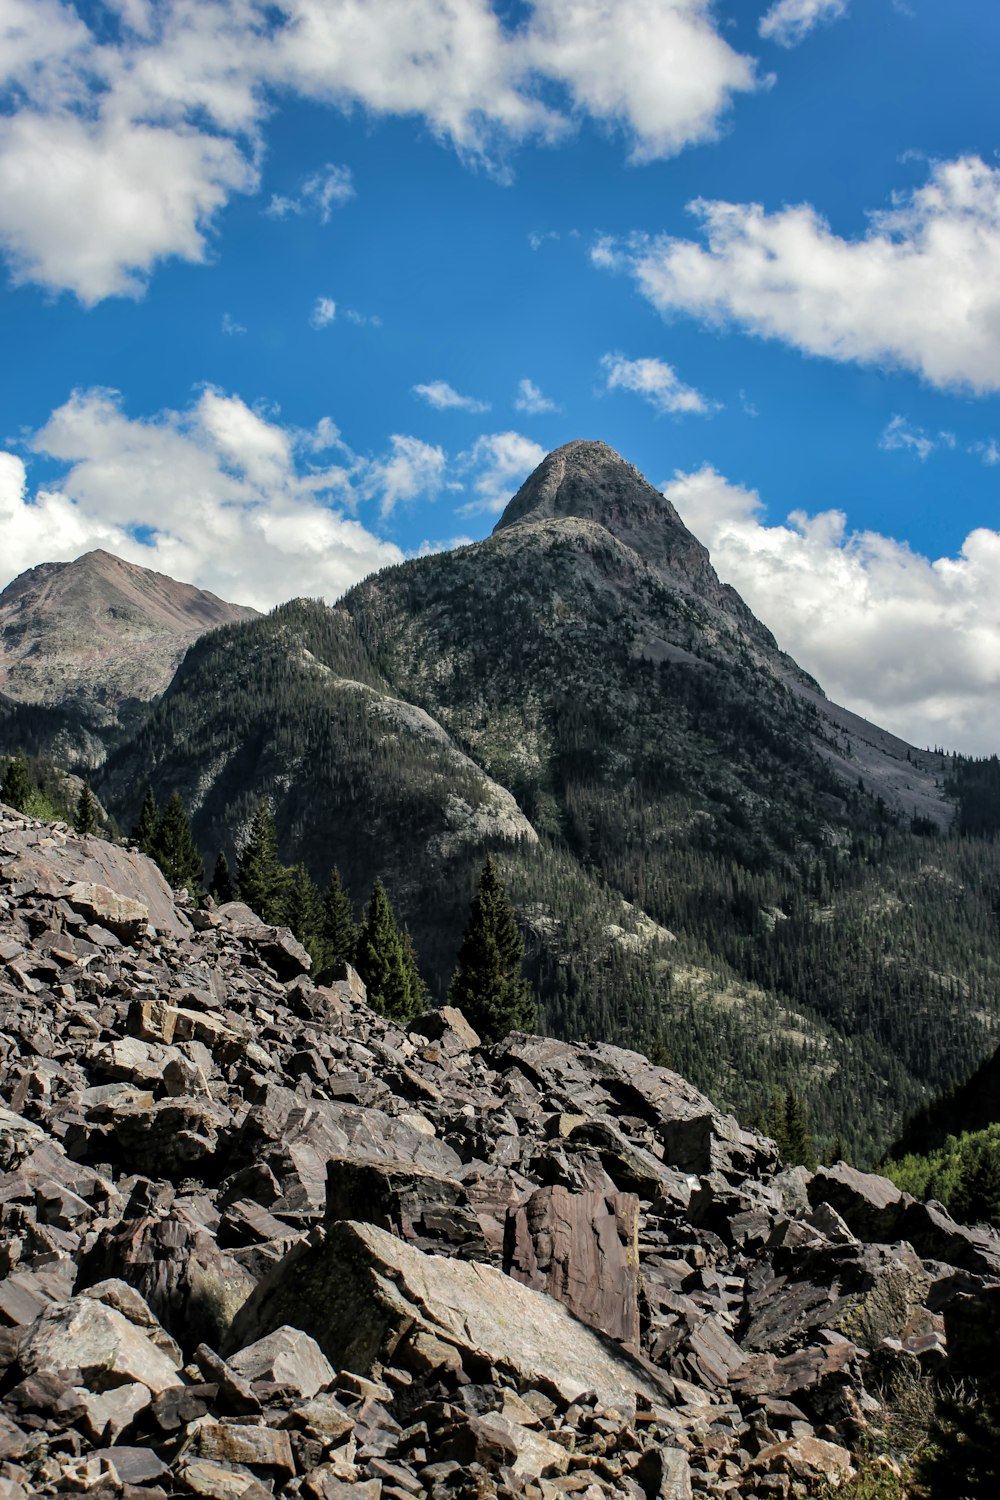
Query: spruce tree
382, 962
303, 913
222, 888
801, 1149
145, 831
16, 789
488, 985
176, 852
339, 930
261, 877
85, 818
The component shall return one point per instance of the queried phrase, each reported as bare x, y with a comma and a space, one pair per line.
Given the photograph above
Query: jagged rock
94, 1338
583, 1249
189, 1284
191, 1134
429, 1211
288, 1357
363, 1293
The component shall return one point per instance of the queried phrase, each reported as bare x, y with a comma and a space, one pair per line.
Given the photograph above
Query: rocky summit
255, 1240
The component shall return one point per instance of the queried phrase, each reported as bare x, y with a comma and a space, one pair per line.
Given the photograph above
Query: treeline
963, 1174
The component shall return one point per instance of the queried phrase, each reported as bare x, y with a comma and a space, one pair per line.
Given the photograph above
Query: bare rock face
100, 634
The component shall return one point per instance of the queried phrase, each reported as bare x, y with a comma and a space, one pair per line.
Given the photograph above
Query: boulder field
257, 1240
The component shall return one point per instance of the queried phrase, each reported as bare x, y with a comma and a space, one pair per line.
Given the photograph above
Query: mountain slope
694, 861
83, 643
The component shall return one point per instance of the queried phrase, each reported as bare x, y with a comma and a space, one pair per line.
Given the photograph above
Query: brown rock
583, 1249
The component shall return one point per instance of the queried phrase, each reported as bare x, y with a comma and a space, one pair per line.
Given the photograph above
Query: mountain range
708, 857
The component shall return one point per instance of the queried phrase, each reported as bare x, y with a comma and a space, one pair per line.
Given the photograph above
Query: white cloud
531, 400
900, 434
232, 501
988, 451
920, 290
443, 397
230, 325
122, 147
323, 313
656, 382
659, 69
362, 320
414, 470
497, 465
322, 192
789, 22
909, 642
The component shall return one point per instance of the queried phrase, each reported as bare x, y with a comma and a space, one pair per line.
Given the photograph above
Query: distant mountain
83, 643
707, 856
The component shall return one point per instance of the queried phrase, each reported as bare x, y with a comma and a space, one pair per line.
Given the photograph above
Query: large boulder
367, 1298
107, 1348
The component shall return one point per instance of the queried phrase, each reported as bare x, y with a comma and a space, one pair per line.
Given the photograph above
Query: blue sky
295, 290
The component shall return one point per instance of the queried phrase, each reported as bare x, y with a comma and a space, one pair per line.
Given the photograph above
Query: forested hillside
706, 862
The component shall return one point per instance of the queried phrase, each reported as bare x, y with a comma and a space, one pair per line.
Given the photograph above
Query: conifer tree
381, 960
303, 913
801, 1148
487, 984
16, 789
85, 818
339, 930
222, 888
261, 877
772, 1122
145, 831
176, 852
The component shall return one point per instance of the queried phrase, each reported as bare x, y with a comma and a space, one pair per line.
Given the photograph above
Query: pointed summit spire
589, 481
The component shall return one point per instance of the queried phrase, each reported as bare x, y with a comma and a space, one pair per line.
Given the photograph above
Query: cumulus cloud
531, 400
230, 325
497, 465
920, 290
789, 22
413, 470
122, 144
324, 312
908, 641
443, 397
656, 382
321, 193
231, 500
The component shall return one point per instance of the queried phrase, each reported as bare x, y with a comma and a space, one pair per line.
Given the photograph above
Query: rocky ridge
255, 1240
95, 638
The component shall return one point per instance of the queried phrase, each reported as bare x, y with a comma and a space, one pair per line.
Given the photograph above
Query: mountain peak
588, 481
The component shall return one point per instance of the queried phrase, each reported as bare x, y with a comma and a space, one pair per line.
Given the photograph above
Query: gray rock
288, 1357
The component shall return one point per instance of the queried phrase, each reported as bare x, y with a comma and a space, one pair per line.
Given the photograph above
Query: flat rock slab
363, 1293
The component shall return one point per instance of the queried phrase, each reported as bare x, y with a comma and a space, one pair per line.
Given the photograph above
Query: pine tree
382, 962
303, 913
176, 853
772, 1121
487, 984
222, 888
420, 995
85, 819
801, 1148
16, 789
261, 877
145, 831
340, 933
